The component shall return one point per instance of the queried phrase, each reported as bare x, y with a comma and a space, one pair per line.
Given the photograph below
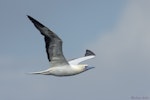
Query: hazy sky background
118, 31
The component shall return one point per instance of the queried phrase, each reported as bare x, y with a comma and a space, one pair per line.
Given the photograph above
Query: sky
117, 31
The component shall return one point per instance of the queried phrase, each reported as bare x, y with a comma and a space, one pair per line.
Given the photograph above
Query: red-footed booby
59, 65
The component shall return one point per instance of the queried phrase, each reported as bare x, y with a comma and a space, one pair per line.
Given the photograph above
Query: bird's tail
45, 72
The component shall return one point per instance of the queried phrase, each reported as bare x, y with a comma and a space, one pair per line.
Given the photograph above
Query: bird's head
85, 67
88, 67
81, 68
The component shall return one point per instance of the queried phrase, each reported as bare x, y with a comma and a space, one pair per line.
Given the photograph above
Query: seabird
59, 65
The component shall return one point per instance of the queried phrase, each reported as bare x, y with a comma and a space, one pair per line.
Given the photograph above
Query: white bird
59, 65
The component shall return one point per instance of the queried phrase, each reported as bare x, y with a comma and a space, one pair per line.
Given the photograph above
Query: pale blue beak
88, 67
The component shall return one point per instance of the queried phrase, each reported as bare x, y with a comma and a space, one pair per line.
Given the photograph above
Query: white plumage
60, 66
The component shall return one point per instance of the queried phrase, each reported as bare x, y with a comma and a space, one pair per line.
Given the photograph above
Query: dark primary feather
53, 44
89, 53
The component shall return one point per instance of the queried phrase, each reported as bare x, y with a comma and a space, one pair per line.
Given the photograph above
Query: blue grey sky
116, 30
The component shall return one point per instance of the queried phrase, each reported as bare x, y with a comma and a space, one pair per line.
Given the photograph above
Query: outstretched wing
53, 44
88, 55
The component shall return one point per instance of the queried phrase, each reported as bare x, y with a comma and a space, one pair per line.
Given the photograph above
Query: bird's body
62, 70
59, 65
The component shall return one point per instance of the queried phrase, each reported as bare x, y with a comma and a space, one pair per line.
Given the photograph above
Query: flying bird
59, 65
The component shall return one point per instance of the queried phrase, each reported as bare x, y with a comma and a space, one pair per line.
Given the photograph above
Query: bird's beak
88, 67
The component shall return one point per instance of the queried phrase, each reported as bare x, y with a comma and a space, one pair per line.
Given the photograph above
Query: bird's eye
88, 67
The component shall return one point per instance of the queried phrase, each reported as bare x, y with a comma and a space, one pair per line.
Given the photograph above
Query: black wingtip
35, 22
30, 17
89, 53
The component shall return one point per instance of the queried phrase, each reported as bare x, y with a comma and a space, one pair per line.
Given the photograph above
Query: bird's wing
88, 55
53, 44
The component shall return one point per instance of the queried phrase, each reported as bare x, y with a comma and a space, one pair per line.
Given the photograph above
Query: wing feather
88, 55
53, 44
